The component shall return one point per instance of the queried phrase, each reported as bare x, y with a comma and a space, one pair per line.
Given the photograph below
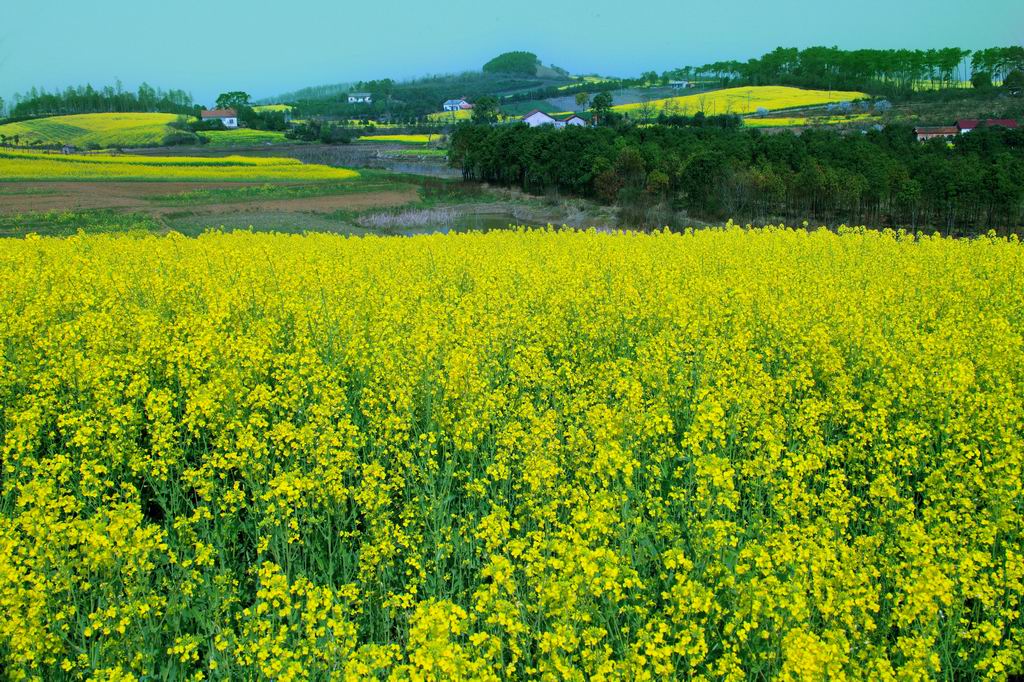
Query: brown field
137, 196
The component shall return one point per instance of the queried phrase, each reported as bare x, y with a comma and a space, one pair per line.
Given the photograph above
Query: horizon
298, 53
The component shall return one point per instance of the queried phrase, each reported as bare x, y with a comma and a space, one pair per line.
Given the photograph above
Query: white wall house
537, 118
229, 117
360, 98
457, 105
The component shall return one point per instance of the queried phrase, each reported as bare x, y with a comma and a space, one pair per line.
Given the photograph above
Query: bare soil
26, 197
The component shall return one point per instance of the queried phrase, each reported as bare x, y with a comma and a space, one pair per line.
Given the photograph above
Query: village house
360, 98
966, 125
931, 132
537, 118
229, 117
679, 85
457, 105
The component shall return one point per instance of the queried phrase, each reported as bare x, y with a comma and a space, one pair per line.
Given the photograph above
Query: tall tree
485, 110
601, 107
234, 100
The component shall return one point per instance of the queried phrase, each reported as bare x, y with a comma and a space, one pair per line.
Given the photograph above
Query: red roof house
931, 132
966, 125
229, 117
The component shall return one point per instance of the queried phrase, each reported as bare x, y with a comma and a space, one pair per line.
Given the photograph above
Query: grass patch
403, 139
243, 137
369, 181
437, 153
64, 223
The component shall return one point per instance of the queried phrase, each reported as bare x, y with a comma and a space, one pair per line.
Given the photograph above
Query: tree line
669, 174
85, 99
891, 72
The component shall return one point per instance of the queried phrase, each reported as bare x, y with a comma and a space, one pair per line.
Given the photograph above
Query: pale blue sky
265, 48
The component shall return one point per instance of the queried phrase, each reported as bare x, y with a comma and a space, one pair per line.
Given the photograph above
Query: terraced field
84, 130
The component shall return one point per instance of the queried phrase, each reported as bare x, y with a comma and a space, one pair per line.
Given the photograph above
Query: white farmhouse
457, 105
537, 118
229, 117
360, 98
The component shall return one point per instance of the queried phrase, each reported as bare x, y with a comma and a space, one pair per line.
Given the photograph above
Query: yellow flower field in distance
460, 115
745, 100
723, 454
18, 165
82, 130
785, 121
407, 139
276, 108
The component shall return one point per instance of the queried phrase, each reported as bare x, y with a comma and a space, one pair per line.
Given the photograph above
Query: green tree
233, 100
581, 99
1014, 83
485, 110
601, 107
981, 80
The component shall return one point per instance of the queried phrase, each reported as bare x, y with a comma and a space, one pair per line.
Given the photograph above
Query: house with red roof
229, 117
966, 125
931, 132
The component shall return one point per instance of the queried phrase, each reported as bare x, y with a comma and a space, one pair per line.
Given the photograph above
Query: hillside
92, 130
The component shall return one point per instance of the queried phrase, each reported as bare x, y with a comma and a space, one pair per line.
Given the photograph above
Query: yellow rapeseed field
460, 115
18, 165
104, 130
719, 455
745, 100
788, 121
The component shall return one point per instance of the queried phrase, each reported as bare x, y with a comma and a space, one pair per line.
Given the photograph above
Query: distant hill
313, 92
423, 96
519, 63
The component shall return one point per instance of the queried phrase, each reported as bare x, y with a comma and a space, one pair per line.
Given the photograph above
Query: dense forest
891, 72
712, 172
86, 99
